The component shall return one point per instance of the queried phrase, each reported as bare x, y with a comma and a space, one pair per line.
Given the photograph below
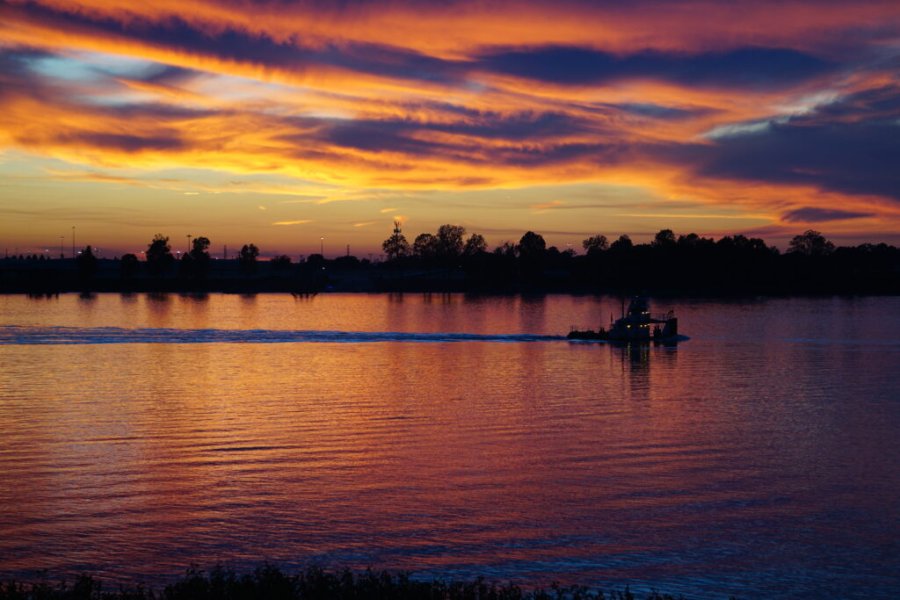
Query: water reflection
709, 469
198, 296
158, 307
42, 295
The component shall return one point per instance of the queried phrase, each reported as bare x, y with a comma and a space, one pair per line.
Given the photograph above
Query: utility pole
189, 244
73, 241
348, 249
322, 246
225, 252
62, 239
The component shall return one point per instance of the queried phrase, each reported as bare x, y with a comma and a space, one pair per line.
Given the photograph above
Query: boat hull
624, 331
603, 336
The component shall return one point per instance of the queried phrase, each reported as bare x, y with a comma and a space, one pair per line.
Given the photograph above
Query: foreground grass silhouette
270, 583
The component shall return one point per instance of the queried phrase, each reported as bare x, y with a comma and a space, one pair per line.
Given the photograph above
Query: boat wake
594, 340
17, 335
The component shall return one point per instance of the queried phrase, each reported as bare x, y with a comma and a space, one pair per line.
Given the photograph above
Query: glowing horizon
281, 124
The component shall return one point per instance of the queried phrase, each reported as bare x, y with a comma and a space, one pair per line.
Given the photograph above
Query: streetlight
73, 241
322, 246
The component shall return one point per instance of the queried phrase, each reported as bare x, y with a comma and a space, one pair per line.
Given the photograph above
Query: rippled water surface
455, 437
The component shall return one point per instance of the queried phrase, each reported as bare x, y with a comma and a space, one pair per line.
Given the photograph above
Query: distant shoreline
268, 582
673, 276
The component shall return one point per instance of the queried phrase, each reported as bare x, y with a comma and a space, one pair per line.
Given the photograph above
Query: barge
636, 325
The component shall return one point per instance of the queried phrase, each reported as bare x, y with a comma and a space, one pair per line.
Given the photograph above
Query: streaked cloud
786, 111
297, 222
739, 68
812, 214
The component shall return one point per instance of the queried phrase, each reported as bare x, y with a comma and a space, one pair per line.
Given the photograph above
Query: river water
454, 436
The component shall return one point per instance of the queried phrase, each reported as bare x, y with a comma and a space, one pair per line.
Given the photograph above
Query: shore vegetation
269, 582
454, 260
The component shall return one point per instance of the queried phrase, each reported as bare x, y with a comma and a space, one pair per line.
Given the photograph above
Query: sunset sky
281, 123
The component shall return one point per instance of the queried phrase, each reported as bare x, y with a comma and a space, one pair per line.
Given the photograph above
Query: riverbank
271, 583
487, 274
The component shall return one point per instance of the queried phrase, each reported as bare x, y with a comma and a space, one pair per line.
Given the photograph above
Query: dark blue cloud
19, 77
376, 136
16, 75
562, 153
518, 127
811, 214
657, 111
170, 75
851, 146
745, 67
855, 158
875, 103
404, 136
122, 142
156, 111
754, 67
242, 47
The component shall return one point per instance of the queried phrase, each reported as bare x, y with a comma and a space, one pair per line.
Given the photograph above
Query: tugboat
637, 325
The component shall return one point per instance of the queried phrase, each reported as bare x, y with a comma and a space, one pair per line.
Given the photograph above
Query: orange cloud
384, 98
297, 222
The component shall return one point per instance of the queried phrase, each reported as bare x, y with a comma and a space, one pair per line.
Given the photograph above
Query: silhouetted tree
346, 262
532, 251
87, 263
200, 248
811, 243
531, 246
688, 241
507, 249
128, 265
396, 246
595, 244
425, 246
159, 254
315, 261
186, 266
475, 245
281, 262
247, 257
196, 262
450, 241
623, 244
665, 238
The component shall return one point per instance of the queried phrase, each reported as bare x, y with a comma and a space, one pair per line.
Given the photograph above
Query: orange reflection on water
527, 461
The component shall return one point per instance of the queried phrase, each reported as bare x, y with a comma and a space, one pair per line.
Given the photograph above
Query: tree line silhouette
451, 260
668, 264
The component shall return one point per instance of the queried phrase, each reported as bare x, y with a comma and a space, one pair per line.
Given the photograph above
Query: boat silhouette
635, 325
